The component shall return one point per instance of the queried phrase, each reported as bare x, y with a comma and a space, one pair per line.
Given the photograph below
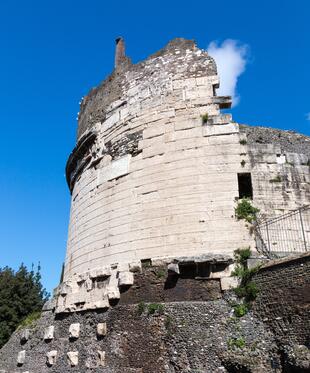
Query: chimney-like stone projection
119, 51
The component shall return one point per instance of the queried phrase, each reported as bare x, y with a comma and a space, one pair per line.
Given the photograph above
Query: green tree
21, 293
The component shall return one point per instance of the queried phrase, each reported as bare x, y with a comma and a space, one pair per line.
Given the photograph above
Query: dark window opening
188, 270
219, 267
245, 185
195, 270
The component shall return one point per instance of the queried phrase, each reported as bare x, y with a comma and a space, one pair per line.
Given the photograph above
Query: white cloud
308, 116
231, 60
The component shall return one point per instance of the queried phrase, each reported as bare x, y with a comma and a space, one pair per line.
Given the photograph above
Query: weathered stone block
73, 358
51, 358
125, 278
101, 329
74, 331
174, 267
113, 293
49, 333
21, 357
25, 336
228, 283
101, 358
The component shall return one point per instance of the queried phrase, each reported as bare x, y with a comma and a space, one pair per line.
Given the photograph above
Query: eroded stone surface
49, 333
51, 358
21, 357
101, 329
73, 358
25, 336
101, 358
74, 331
125, 278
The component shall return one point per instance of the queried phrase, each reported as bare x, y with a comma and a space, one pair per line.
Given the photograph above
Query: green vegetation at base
155, 308
151, 308
236, 343
240, 309
160, 273
141, 308
247, 289
21, 299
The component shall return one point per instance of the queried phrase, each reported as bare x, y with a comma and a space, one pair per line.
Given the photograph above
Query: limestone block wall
279, 166
176, 192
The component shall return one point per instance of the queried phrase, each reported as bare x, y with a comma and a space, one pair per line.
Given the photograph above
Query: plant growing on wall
205, 118
247, 289
246, 211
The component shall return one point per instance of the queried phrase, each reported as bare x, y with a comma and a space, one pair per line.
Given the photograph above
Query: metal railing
284, 235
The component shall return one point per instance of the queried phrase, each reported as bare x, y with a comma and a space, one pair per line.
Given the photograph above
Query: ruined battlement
138, 84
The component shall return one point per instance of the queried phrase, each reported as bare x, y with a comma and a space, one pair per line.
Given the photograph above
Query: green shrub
243, 142
245, 210
242, 255
247, 288
141, 308
155, 307
236, 342
160, 273
205, 118
240, 309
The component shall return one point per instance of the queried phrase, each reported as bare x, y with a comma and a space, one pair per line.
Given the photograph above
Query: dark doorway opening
245, 185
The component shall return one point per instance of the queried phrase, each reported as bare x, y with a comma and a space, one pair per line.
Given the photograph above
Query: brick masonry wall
284, 299
153, 285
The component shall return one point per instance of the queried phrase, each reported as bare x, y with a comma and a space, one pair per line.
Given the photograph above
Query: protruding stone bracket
101, 330
74, 331
21, 358
224, 102
51, 358
73, 358
49, 333
25, 336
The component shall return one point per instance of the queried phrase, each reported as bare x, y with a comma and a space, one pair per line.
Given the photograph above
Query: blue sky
53, 52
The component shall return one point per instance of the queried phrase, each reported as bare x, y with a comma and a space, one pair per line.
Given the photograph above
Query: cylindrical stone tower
156, 174
153, 174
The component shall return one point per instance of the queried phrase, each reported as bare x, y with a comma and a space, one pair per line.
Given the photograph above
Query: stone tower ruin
157, 171
155, 177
